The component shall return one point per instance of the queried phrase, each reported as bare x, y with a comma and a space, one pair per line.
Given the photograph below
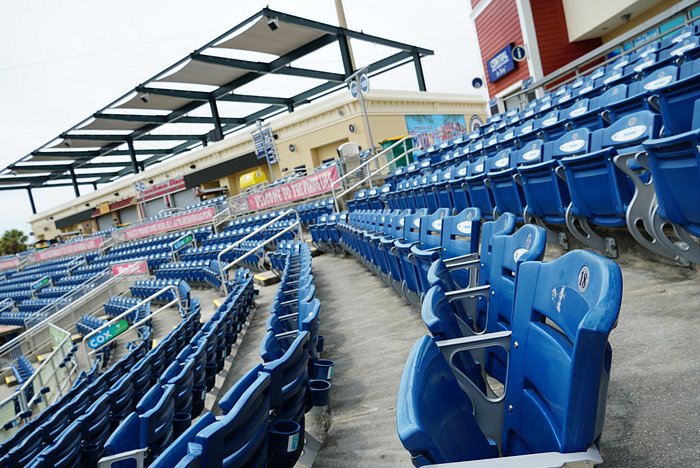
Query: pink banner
172, 223
68, 249
138, 267
9, 263
309, 186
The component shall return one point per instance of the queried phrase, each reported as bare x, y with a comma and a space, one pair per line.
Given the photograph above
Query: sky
62, 61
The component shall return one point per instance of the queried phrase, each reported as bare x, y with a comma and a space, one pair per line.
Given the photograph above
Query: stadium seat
556, 384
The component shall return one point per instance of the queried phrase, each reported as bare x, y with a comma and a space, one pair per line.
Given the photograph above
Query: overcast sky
62, 61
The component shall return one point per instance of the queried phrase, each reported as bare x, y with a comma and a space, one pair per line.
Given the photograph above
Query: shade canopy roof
157, 119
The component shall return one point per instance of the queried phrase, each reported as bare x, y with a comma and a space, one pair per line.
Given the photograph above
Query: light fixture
67, 142
351, 127
144, 97
273, 24
193, 166
626, 17
292, 147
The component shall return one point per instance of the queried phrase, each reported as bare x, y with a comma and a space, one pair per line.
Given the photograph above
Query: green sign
108, 334
42, 283
183, 241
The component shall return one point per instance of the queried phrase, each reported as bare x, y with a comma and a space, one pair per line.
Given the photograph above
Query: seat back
240, 437
460, 233
65, 451
288, 379
431, 228
564, 312
674, 165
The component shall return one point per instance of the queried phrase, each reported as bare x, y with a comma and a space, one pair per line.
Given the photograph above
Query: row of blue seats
263, 413
400, 246
470, 295
22, 369
656, 54
43, 431
583, 179
188, 271
18, 319
545, 341
35, 305
55, 291
177, 396
79, 438
324, 233
254, 221
145, 288
165, 239
308, 212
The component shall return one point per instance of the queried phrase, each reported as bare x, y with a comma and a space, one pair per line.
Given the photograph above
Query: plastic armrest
488, 412
477, 291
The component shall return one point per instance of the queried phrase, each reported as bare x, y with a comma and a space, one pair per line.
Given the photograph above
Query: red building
539, 26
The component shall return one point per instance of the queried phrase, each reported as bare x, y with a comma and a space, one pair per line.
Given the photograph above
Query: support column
132, 155
94, 185
346, 55
217, 120
31, 199
419, 70
73, 179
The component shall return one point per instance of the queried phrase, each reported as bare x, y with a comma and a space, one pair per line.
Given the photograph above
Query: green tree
13, 241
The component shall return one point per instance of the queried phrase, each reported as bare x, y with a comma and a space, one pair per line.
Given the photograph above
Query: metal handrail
253, 233
20, 393
404, 155
296, 224
133, 326
6, 304
35, 329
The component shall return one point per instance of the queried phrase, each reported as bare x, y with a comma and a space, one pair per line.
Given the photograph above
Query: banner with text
68, 249
172, 223
309, 186
8, 263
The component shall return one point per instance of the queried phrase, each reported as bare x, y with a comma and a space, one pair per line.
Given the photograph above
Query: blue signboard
500, 64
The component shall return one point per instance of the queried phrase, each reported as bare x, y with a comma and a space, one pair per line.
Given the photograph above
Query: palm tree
13, 241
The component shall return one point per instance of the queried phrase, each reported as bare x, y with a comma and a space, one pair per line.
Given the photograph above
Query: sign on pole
41, 284
108, 334
264, 142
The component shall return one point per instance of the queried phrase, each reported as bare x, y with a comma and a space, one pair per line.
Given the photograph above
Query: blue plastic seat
557, 377
469, 268
545, 189
600, 192
674, 163
480, 194
240, 438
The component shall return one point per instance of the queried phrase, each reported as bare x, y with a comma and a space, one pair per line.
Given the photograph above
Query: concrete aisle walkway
369, 332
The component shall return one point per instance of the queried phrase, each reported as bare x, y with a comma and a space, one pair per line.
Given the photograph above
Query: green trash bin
394, 156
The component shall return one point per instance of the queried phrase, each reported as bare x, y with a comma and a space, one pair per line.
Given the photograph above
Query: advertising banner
172, 223
68, 249
432, 130
7, 263
163, 188
309, 186
134, 267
